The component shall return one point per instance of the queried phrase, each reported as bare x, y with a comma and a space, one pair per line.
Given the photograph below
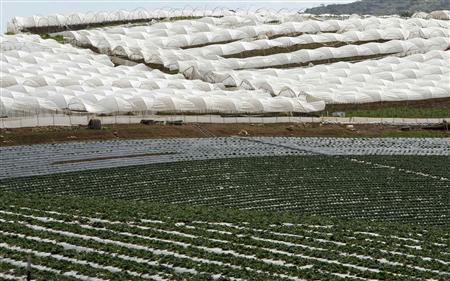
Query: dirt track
37, 135
421, 104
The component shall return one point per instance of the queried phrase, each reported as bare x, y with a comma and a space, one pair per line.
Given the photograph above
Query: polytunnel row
37, 81
77, 61
59, 22
415, 77
138, 49
45, 76
195, 69
312, 41
19, 24
369, 66
234, 78
388, 36
218, 16
181, 28
196, 33
438, 15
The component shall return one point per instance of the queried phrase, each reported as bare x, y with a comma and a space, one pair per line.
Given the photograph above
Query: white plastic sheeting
18, 24
196, 46
44, 76
197, 69
186, 33
441, 15
415, 77
348, 37
438, 15
41, 76
140, 46
218, 16
421, 15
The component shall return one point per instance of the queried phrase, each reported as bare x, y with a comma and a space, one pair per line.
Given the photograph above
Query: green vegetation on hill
383, 7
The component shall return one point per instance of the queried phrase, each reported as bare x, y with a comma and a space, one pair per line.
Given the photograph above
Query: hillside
382, 7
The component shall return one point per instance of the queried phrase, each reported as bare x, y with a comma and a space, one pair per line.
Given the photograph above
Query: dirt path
37, 135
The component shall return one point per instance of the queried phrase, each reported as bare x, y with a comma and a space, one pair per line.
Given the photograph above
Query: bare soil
422, 104
39, 135
110, 157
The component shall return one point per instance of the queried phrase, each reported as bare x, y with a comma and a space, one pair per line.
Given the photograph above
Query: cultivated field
226, 208
20, 161
224, 62
271, 146
398, 188
110, 240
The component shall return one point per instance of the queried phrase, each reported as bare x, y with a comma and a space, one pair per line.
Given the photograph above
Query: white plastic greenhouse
51, 78
220, 61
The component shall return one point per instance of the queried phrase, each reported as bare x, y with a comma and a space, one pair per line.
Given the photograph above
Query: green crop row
388, 188
113, 239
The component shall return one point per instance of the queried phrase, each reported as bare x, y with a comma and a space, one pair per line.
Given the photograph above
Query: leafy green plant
57, 38
110, 239
340, 186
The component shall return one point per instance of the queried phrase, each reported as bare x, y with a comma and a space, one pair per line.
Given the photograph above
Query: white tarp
409, 62
415, 77
51, 78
